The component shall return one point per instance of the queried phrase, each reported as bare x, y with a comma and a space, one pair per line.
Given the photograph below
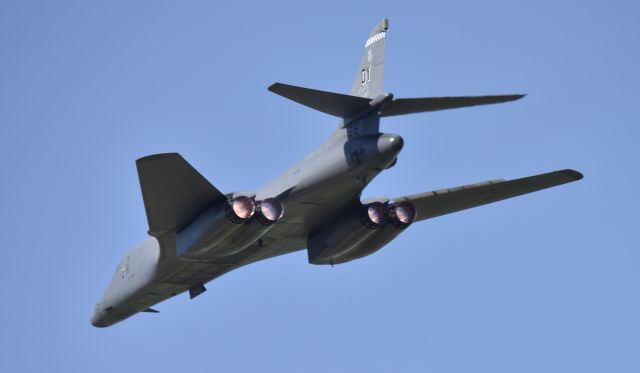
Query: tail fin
368, 80
367, 99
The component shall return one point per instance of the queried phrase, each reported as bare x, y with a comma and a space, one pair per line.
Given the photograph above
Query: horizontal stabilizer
445, 201
346, 106
421, 105
335, 104
174, 193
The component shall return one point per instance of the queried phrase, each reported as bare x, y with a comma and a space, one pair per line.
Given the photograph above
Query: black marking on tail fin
369, 77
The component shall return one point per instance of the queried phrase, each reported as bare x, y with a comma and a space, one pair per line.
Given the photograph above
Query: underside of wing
174, 192
445, 201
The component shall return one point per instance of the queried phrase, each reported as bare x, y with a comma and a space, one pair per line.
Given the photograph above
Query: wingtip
273, 86
575, 175
153, 157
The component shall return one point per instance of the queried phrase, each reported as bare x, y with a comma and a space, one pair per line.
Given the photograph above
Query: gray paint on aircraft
198, 233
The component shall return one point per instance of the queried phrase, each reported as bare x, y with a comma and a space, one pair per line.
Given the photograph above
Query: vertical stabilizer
368, 81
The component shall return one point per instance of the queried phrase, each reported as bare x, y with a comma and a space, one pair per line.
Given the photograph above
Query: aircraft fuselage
198, 233
312, 191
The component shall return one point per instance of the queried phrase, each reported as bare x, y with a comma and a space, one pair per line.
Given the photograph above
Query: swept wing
445, 201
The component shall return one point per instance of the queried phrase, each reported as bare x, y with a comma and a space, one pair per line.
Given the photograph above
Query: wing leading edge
445, 201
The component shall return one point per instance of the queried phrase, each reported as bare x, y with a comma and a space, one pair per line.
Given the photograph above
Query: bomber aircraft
198, 233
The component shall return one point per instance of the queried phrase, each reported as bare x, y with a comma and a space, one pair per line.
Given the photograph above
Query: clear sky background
547, 282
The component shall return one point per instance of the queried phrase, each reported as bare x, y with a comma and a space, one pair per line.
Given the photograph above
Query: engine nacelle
227, 228
345, 233
400, 216
268, 212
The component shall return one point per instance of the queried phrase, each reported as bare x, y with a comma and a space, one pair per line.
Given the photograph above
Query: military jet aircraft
198, 233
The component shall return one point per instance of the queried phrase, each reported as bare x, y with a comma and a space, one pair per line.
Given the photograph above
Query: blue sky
546, 282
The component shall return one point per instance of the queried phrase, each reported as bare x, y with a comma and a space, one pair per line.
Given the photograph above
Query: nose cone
98, 318
389, 144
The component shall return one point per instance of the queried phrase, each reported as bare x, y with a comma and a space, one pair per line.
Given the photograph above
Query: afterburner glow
377, 213
243, 207
403, 214
271, 210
